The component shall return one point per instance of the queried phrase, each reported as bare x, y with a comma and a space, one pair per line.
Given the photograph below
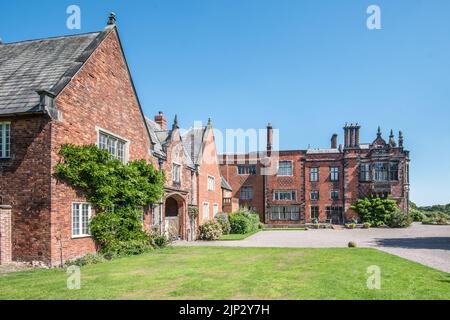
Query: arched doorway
174, 215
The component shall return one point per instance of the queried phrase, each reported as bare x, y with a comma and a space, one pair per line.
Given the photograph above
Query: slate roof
193, 143
160, 137
46, 64
225, 184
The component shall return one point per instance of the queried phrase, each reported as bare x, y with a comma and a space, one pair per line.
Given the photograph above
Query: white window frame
291, 192
215, 209
211, 187
126, 144
80, 220
334, 174
5, 150
316, 174
285, 175
180, 172
205, 212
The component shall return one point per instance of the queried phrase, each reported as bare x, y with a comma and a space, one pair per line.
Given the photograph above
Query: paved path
428, 245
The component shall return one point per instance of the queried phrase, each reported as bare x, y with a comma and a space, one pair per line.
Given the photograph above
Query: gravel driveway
428, 245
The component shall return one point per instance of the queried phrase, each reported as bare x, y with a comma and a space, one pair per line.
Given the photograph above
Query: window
246, 193
205, 211
334, 195
381, 171
215, 209
334, 213
81, 215
393, 171
285, 213
115, 146
284, 195
246, 170
364, 172
5, 136
315, 213
314, 174
314, 195
285, 168
334, 174
176, 173
211, 183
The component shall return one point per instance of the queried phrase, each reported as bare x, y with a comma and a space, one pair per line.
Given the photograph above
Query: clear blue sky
306, 66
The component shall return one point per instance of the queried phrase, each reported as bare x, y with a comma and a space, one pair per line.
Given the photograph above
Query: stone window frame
335, 191
118, 138
334, 174
285, 213
180, 173
249, 169
5, 132
285, 175
292, 192
314, 192
215, 209
211, 183
80, 219
365, 175
380, 174
314, 174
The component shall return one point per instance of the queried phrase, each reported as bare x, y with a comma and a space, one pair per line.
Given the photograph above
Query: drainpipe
161, 229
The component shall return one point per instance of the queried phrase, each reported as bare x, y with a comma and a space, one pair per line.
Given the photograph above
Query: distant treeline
444, 208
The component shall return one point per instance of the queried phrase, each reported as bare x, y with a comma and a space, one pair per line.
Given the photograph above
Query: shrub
376, 211
87, 260
210, 230
222, 219
244, 221
352, 244
350, 226
367, 225
128, 248
416, 215
158, 240
399, 219
316, 226
435, 218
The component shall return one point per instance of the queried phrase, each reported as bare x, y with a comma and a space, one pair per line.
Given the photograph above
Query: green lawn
226, 237
237, 273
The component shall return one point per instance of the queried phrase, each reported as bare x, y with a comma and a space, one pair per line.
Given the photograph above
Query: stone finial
400, 139
209, 123
175, 123
391, 139
379, 132
112, 19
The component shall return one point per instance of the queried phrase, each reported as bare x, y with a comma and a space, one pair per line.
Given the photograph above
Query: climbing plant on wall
116, 190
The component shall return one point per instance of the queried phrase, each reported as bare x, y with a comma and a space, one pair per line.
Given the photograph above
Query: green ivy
376, 211
109, 183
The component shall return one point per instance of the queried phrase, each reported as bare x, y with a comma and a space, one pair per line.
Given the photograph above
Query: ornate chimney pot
112, 19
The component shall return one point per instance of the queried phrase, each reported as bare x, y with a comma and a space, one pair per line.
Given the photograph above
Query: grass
231, 237
237, 273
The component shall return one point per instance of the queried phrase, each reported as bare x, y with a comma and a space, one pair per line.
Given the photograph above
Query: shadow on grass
441, 243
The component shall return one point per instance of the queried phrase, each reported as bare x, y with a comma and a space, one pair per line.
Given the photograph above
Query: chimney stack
159, 119
334, 141
269, 138
400, 139
352, 136
346, 136
357, 127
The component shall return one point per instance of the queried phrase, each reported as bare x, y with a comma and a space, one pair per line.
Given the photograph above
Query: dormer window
5, 143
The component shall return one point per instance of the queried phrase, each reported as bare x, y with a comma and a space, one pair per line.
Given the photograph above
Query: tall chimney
400, 139
346, 136
334, 141
352, 135
269, 138
159, 119
357, 135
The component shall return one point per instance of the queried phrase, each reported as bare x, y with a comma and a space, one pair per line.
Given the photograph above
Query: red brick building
78, 89
319, 184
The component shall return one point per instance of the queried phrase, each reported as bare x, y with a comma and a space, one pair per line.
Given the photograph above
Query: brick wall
5, 235
99, 96
25, 185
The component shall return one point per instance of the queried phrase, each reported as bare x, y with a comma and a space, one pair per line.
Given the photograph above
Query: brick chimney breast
334, 141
